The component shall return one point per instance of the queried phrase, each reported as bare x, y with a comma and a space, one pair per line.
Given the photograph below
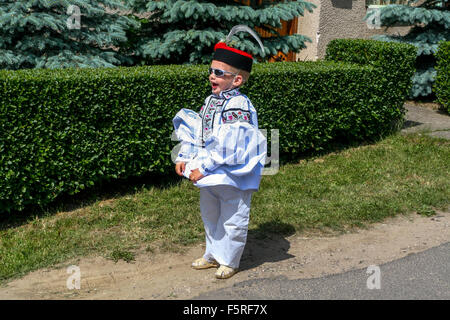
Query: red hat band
232, 56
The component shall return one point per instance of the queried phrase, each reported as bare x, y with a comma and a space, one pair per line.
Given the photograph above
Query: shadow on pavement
408, 124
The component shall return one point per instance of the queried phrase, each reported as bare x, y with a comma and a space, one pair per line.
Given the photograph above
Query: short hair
245, 74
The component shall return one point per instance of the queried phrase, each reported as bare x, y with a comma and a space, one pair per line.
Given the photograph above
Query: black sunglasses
220, 72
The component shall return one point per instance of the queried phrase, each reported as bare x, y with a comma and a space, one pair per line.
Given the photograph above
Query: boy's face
227, 81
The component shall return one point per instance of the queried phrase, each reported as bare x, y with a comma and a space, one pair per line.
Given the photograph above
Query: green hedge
64, 130
393, 60
442, 85
313, 103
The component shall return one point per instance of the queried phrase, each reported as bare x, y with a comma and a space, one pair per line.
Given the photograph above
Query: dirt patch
424, 104
169, 276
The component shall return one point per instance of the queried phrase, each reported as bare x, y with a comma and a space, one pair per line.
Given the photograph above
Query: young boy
223, 153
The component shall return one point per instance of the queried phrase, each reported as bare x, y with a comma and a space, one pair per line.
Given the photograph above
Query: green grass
337, 192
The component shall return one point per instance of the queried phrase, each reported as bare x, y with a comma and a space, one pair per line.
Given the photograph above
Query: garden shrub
62, 130
442, 85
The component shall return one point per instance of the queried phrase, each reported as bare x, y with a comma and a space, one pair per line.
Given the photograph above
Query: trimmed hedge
393, 61
64, 130
312, 103
442, 84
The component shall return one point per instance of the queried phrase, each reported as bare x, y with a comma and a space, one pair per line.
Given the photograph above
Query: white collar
227, 94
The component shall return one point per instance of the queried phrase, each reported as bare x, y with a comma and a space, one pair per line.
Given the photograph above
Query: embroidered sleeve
233, 115
237, 110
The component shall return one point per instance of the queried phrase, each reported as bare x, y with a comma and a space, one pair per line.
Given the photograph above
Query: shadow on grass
101, 191
267, 243
121, 187
338, 145
104, 190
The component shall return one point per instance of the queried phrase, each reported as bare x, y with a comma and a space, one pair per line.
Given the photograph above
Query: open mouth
214, 85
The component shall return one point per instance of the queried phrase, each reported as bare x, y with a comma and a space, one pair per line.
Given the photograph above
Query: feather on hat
235, 57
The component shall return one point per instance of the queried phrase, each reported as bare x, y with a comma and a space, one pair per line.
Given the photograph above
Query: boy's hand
195, 175
179, 168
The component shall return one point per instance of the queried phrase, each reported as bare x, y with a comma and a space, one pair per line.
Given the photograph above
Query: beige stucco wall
336, 19
308, 25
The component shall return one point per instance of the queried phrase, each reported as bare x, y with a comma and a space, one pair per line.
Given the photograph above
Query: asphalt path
420, 276
435, 123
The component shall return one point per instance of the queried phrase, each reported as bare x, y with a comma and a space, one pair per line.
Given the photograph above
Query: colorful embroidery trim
214, 105
231, 116
231, 93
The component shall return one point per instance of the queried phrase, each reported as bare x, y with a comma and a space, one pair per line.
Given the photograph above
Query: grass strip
334, 192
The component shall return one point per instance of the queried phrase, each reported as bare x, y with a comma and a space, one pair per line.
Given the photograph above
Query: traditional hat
235, 57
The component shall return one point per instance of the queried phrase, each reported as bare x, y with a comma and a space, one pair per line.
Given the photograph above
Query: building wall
336, 19
308, 25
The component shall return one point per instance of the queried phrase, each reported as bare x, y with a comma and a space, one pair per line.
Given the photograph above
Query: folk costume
223, 141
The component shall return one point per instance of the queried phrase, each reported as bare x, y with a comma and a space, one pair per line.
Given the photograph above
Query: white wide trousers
225, 212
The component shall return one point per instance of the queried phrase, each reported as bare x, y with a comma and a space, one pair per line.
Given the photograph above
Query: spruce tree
430, 21
46, 33
180, 31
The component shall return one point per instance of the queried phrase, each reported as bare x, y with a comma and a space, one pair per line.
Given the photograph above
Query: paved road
420, 276
436, 123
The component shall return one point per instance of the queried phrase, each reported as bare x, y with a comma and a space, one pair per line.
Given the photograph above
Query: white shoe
225, 272
202, 263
